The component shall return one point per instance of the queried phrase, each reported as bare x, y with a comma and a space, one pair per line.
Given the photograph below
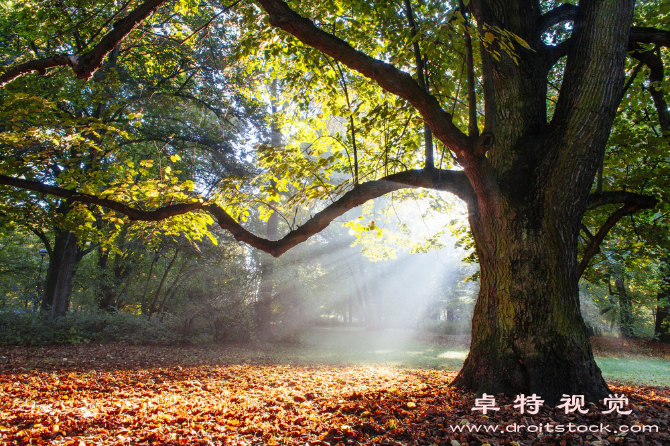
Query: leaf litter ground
109, 395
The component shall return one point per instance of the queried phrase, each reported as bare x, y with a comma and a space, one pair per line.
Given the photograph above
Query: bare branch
567, 13
447, 180
473, 130
85, 65
487, 138
422, 78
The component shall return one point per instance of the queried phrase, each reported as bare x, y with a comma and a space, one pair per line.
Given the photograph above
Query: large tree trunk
528, 335
60, 274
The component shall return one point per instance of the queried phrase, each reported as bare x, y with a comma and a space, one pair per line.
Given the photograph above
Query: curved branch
43, 237
620, 197
564, 13
632, 205
656, 76
85, 65
556, 52
447, 180
387, 76
645, 34
442, 180
638, 34
132, 213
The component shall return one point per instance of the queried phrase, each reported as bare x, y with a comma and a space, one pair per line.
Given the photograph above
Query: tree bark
528, 335
625, 309
112, 277
60, 274
662, 326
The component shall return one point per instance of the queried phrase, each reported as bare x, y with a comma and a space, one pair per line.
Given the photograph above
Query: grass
642, 371
646, 364
388, 347
404, 348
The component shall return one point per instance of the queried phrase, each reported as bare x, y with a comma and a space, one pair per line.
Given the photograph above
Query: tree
526, 175
117, 121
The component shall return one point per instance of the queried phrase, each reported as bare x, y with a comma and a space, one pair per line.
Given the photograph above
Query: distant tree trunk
361, 302
145, 309
111, 280
152, 308
625, 309
264, 309
104, 288
60, 274
371, 309
172, 290
662, 326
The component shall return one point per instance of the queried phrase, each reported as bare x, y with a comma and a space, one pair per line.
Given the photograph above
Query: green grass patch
635, 370
407, 348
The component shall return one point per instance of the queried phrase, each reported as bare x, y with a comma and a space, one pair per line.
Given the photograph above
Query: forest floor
316, 391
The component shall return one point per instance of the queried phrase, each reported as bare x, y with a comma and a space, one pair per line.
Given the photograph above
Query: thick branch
620, 197
387, 76
85, 65
47, 244
644, 34
638, 34
132, 213
656, 75
442, 180
632, 204
564, 13
446, 180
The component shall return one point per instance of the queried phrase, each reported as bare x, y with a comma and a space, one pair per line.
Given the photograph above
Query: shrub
82, 327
